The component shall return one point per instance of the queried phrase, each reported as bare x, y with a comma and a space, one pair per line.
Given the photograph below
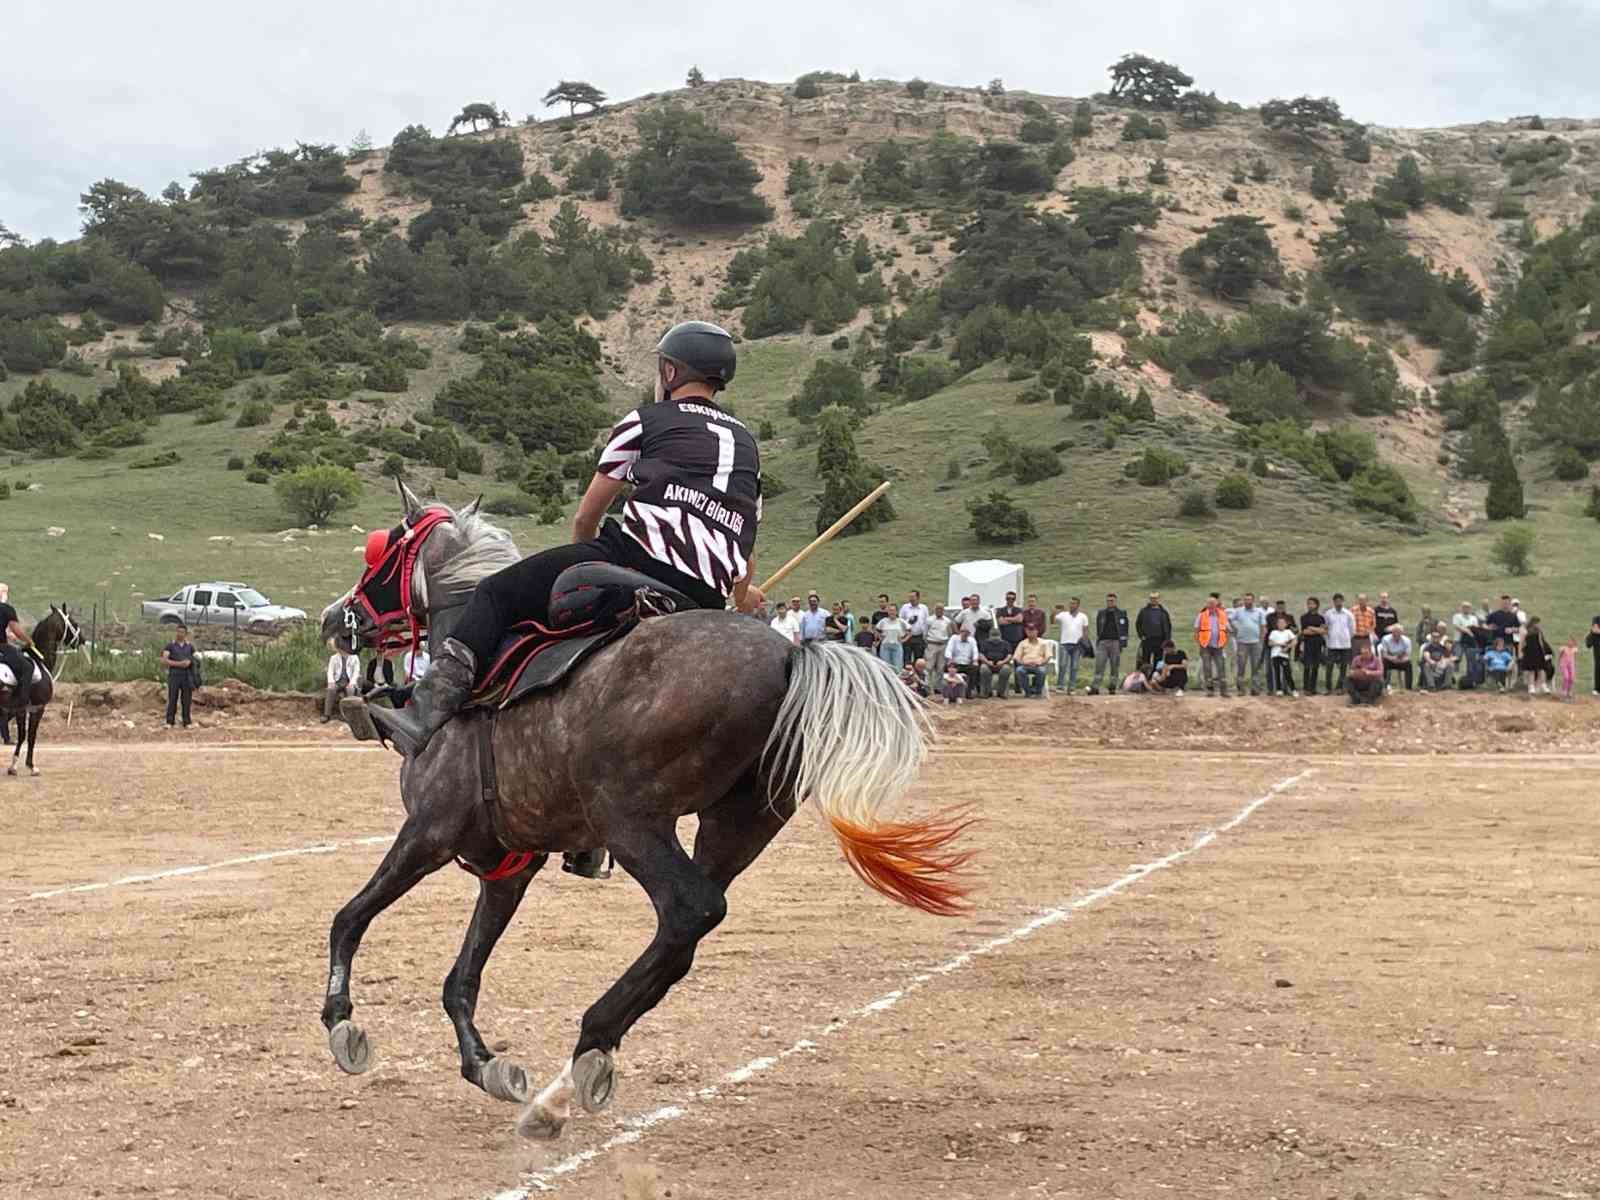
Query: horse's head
450, 550
71, 632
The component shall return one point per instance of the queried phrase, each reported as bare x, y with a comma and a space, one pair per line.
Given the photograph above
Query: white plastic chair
1050, 663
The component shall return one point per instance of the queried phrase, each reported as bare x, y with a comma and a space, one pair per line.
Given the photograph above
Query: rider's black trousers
521, 592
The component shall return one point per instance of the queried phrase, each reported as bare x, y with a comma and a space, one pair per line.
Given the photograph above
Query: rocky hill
1495, 191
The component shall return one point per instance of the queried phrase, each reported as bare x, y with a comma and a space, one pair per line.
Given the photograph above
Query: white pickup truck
220, 604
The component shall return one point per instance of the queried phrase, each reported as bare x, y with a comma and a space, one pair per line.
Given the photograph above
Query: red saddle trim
514, 863
532, 639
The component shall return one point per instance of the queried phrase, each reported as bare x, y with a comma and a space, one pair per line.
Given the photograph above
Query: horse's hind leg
688, 906
497, 904
425, 843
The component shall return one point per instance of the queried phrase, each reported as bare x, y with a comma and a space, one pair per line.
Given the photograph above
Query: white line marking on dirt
202, 868
634, 1128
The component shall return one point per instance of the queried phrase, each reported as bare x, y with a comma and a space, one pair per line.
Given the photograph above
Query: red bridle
384, 592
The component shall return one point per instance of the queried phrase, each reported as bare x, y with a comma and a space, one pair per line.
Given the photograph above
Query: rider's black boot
443, 692
591, 864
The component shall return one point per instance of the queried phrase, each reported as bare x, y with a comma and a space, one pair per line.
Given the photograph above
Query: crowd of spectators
1363, 650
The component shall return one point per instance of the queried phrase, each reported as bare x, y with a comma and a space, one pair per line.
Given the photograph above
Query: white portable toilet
989, 578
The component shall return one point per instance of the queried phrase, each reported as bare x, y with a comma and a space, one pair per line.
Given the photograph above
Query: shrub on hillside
917, 88
1383, 489
1156, 466
830, 382
1030, 464
162, 458
1195, 503
253, 413
313, 494
1513, 550
1170, 559
1570, 465
257, 475
1505, 500
998, 520
1235, 491
511, 504
235, 463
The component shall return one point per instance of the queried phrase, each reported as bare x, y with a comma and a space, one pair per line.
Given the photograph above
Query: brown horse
55, 633
704, 713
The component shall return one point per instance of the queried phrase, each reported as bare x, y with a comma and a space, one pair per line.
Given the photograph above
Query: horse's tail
851, 737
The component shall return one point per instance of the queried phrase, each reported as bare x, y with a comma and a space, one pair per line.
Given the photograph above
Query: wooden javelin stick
826, 536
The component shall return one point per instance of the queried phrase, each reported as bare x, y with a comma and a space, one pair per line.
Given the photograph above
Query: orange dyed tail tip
912, 862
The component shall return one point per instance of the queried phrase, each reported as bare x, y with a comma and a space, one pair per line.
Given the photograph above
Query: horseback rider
689, 524
20, 664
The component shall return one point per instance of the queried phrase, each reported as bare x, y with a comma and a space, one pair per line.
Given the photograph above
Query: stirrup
590, 864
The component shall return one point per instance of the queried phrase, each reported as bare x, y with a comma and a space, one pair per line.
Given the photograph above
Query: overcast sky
148, 93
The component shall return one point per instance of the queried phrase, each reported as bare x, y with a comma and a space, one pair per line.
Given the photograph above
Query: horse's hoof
594, 1079
504, 1080
350, 1048
34, 771
537, 1125
11, 771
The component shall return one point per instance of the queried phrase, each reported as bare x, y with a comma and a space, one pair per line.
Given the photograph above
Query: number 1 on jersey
724, 456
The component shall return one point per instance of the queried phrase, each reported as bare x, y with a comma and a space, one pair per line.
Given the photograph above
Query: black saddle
591, 606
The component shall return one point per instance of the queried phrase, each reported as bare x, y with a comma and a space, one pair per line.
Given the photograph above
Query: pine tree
1505, 501
845, 478
1324, 180
695, 78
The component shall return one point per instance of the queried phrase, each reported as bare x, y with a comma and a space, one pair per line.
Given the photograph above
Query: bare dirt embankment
1406, 723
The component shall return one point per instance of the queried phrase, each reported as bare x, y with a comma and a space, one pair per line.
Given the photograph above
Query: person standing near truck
178, 657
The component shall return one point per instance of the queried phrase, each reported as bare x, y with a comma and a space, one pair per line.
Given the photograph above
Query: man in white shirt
962, 653
915, 614
416, 664
1394, 648
940, 627
1072, 626
344, 678
787, 622
972, 611
1341, 624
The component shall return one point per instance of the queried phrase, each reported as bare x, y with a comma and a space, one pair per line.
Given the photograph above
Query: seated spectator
1171, 673
995, 661
915, 676
961, 654
1365, 680
1032, 659
1395, 651
1497, 664
1438, 662
1135, 683
954, 684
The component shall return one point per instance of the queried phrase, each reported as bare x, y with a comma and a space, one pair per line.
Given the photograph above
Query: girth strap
515, 862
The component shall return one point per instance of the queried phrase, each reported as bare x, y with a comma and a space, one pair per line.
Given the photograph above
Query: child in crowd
1497, 663
955, 684
915, 675
1136, 683
1280, 670
1567, 668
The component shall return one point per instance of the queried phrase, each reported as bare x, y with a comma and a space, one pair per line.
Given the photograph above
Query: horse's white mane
485, 549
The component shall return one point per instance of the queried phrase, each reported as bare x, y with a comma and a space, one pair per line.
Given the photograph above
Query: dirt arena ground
1359, 957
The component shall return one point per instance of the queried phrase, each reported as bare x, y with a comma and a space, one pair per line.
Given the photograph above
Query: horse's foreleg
420, 849
34, 718
688, 906
497, 904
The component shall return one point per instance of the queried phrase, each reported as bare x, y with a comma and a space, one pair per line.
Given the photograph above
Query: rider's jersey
696, 501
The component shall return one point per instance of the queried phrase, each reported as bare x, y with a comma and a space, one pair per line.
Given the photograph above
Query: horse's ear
408, 498
471, 510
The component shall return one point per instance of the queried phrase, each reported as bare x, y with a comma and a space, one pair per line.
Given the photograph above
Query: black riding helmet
704, 349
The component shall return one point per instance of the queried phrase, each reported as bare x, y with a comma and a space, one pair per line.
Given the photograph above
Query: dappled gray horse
704, 713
